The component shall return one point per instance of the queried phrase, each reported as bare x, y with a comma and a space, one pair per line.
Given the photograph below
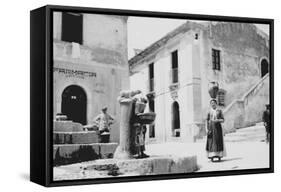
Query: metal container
213, 89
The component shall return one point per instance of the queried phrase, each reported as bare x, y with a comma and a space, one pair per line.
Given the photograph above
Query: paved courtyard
240, 155
245, 149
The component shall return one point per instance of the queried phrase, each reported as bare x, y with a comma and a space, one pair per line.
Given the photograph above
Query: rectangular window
151, 77
72, 27
216, 59
174, 71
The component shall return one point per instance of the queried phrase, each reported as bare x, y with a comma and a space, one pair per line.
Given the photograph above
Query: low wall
74, 153
75, 137
67, 126
247, 110
127, 167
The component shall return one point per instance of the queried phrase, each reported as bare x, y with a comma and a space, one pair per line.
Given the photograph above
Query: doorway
74, 104
175, 120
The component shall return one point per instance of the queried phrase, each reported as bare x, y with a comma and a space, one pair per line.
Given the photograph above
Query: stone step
262, 138
74, 153
81, 137
253, 133
251, 129
67, 126
105, 168
237, 134
147, 166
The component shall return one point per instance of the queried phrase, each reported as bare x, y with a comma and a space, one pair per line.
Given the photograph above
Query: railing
246, 96
254, 90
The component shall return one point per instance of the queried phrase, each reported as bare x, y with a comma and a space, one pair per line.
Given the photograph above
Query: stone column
123, 150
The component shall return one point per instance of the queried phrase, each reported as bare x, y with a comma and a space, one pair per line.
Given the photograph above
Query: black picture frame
41, 99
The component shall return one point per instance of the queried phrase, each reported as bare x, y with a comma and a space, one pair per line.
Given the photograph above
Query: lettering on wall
75, 73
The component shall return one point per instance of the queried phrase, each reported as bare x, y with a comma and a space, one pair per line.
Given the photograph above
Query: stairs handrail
243, 98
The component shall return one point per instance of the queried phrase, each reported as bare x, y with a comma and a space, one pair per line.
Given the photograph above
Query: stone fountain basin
146, 118
102, 168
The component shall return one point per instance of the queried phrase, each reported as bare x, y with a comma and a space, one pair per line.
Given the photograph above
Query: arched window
175, 120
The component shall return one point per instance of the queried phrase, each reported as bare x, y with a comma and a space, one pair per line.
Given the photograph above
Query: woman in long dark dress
215, 145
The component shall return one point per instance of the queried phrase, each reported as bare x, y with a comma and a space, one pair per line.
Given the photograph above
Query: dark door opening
264, 67
74, 104
151, 127
175, 120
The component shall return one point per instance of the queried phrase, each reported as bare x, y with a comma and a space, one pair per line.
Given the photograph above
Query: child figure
140, 141
139, 129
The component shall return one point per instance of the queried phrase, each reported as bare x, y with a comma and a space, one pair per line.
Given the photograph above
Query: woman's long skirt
215, 144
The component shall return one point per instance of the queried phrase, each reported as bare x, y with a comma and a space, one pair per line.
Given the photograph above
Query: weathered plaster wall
241, 51
104, 53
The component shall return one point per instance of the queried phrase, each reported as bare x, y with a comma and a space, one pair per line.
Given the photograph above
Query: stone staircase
73, 144
247, 110
248, 134
254, 133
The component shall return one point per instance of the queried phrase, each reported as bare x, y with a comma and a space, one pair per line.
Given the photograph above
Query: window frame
216, 59
64, 24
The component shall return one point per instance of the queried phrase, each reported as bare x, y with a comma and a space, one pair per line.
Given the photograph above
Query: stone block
67, 126
148, 166
75, 153
184, 165
107, 150
75, 137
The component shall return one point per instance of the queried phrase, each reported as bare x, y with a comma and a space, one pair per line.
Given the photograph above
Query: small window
221, 97
151, 77
175, 59
72, 27
216, 59
174, 72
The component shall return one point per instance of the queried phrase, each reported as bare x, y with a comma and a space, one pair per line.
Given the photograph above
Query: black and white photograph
139, 96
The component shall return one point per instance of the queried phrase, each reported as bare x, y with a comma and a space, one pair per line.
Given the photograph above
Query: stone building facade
90, 65
176, 72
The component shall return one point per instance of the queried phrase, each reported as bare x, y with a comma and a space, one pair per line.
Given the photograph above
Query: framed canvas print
121, 95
